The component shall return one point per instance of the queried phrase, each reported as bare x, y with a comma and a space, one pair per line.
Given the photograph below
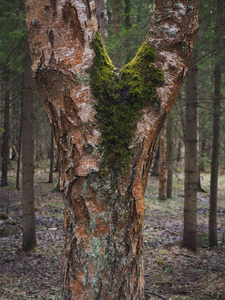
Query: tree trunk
116, 17
103, 189
203, 155
13, 136
199, 185
50, 180
215, 159
100, 14
127, 14
169, 138
190, 195
179, 146
19, 151
179, 132
216, 136
29, 234
162, 164
155, 167
6, 133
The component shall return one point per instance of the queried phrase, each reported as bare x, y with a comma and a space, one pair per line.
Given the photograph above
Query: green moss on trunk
122, 94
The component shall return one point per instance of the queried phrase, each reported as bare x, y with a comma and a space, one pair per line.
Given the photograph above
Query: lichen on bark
122, 94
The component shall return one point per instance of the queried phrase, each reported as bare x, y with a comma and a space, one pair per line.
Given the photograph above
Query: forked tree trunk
162, 164
190, 192
29, 232
104, 206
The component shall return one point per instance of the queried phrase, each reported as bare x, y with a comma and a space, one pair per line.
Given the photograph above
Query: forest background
127, 24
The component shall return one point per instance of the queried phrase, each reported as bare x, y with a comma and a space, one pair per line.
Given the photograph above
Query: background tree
190, 192
170, 156
216, 132
29, 232
116, 17
104, 191
162, 163
6, 133
155, 164
50, 180
12, 23
122, 47
100, 14
127, 14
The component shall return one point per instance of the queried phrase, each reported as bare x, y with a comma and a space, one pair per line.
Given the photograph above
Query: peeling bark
103, 249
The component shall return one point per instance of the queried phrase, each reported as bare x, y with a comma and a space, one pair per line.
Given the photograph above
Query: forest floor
171, 272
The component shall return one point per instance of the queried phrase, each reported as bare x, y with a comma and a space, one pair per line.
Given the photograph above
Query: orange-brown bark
103, 251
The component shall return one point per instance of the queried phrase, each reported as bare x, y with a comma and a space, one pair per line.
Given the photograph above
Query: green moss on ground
122, 94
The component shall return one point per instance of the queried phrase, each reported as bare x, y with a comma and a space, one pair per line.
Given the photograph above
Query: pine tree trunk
100, 14
127, 14
199, 186
162, 164
179, 146
116, 17
104, 206
50, 180
6, 133
215, 159
14, 137
203, 154
216, 132
29, 233
155, 167
190, 195
169, 138
19, 151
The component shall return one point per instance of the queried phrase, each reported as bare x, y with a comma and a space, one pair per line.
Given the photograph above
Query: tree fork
103, 219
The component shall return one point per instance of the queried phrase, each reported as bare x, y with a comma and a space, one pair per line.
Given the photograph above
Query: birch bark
103, 249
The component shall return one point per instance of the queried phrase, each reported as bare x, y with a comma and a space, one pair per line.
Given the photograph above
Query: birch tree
105, 123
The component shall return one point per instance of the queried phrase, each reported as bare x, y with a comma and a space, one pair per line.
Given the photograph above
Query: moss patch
121, 96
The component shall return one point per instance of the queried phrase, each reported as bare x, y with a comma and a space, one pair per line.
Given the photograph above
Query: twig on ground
155, 294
